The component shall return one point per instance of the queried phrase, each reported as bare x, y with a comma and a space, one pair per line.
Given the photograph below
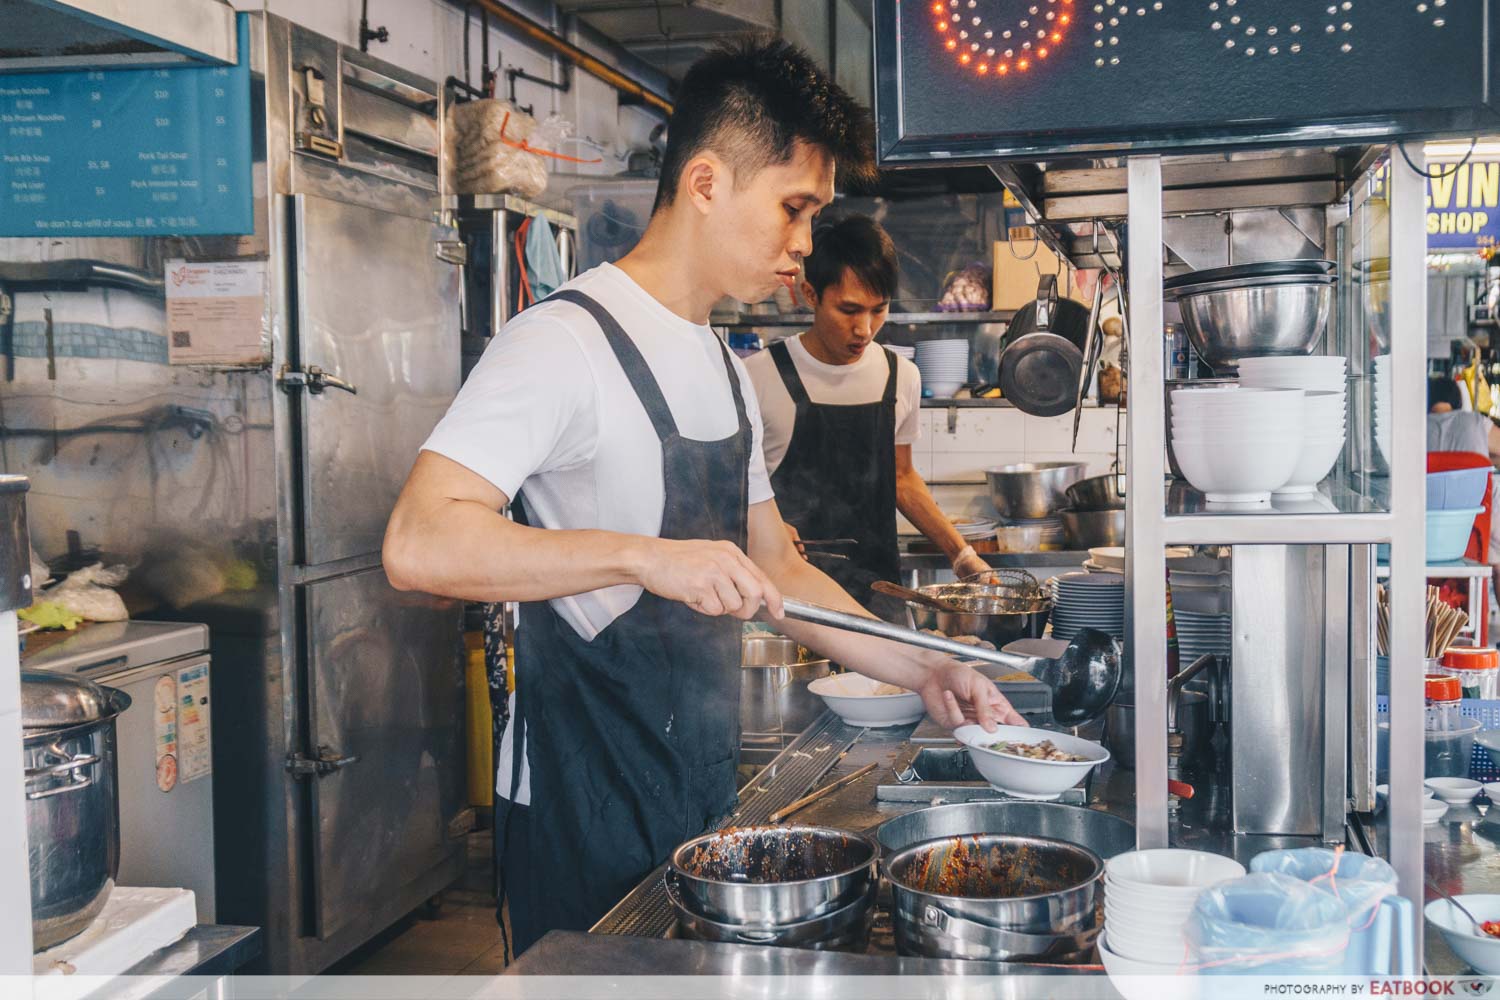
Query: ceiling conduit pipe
541, 35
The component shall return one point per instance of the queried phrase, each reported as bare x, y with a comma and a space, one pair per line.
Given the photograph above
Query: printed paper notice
194, 752
215, 311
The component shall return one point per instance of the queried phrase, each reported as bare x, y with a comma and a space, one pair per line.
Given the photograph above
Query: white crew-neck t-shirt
841, 385
548, 410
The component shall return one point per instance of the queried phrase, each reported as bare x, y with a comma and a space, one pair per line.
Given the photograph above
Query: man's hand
712, 578
968, 563
956, 694
796, 538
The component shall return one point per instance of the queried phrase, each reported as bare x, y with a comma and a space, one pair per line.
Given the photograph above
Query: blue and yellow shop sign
1463, 206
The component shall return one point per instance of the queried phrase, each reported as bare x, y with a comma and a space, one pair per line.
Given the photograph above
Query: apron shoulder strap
734, 387
636, 370
787, 368
889, 396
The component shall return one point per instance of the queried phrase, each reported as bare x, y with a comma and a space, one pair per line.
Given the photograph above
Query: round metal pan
1039, 374
1239, 272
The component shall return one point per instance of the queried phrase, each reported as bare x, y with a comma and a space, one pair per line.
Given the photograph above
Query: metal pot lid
1039, 374
1264, 269
1274, 281
52, 701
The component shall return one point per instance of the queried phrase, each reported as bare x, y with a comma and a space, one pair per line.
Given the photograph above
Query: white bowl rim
1117, 864
812, 686
1016, 734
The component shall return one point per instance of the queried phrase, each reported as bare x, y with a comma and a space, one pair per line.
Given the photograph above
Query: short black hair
751, 101
855, 243
1443, 390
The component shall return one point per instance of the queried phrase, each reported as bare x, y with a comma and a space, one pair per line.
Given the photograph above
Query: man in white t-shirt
840, 415
627, 435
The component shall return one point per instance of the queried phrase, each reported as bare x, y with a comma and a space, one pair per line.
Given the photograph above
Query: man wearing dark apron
838, 441
645, 527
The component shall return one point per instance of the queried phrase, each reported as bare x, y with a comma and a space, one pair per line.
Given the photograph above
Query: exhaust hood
118, 34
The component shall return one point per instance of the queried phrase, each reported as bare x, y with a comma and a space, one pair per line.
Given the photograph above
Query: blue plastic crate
1481, 766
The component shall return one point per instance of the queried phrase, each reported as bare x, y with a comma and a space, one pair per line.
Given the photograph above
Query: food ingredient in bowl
1045, 750
1491, 927
967, 640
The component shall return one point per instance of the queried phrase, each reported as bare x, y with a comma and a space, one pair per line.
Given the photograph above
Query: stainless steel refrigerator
252, 497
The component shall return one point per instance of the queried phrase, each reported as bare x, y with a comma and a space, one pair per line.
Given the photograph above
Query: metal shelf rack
1150, 217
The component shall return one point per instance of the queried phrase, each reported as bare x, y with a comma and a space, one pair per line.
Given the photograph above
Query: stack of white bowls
1238, 445
944, 365
1325, 380
1148, 897
1382, 384
902, 351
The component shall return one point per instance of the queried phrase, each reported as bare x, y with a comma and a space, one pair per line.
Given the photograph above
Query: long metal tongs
1093, 344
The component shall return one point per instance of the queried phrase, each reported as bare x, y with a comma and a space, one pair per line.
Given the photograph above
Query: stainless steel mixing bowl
1031, 490
1255, 317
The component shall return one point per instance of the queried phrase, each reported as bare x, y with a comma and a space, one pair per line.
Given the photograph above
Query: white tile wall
953, 461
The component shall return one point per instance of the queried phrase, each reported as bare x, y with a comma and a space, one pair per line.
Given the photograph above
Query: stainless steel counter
856, 807
1461, 853
1020, 560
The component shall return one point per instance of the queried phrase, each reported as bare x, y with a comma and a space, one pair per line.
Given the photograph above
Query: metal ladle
1084, 679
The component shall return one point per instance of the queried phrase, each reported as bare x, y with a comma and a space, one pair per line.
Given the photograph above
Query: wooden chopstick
787, 810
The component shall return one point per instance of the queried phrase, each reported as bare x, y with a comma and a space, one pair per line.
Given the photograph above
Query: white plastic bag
89, 592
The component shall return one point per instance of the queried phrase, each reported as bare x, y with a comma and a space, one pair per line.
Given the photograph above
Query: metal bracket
327, 762
314, 380
952, 420
314, 143
451, 252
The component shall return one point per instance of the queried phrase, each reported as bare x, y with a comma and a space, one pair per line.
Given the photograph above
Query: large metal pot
1106, 492
1192, 719
1100, 832
1092, 529
774, 700
773, 876
1031, 490
996, 897
982, 616
72, 800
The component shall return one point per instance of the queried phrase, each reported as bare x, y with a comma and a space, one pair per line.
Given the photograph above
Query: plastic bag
1358, 881
1267, 924
495, 148
41, 575
88, 592
967, 290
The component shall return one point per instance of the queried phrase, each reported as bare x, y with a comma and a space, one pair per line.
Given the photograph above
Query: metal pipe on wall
542, 35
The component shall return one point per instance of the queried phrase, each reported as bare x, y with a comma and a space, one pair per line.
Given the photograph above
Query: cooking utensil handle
811, 797
67, 766
819, 615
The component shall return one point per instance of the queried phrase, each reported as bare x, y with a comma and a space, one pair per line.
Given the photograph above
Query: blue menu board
127, 152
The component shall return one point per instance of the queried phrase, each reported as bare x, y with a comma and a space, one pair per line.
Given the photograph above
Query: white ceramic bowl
1481, 951
1317, 459
1121, 897
1454, 791
1137, 980
1165, 950
852, 698
1432, 811
1171, 871
1155, 918
1020, 776
1491, 789
1236, 467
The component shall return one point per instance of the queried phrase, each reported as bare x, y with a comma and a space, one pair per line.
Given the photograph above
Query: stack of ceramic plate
902, 351
1198, 634
1382, 384
1200, 585
1088, 600
944, 365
